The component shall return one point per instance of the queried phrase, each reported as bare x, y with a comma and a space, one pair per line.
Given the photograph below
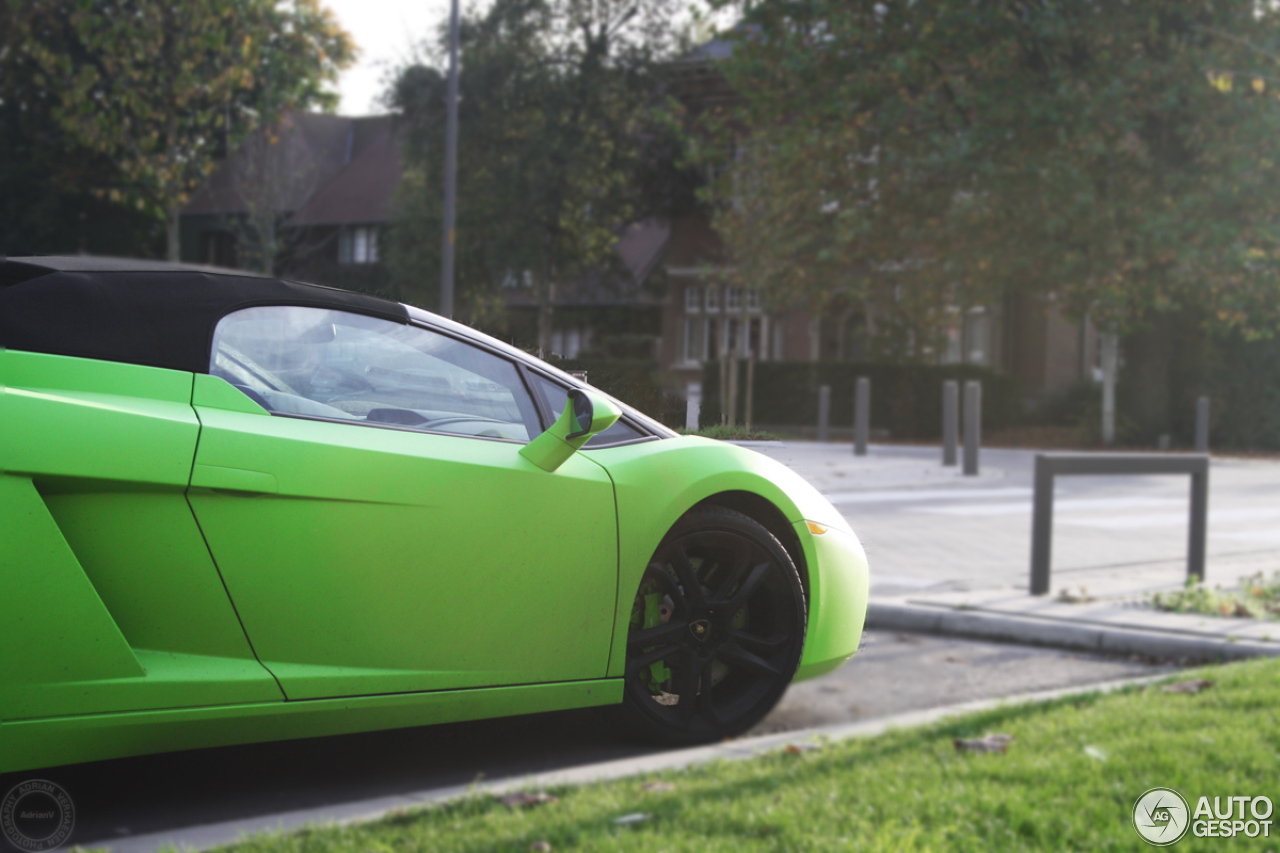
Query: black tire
717, 629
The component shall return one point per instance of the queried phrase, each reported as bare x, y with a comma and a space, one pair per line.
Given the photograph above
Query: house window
713, 299
568, 343
692, 299
753, 300
358, 245
693, 338
732, 299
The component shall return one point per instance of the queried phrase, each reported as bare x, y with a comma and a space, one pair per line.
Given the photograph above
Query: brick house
323, 182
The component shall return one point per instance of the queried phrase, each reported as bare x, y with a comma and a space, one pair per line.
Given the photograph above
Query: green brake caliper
658, 673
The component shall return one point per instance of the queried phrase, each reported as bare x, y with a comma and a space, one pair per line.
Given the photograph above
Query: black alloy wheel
717, 629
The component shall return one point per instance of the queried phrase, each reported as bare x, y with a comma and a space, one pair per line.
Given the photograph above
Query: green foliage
152, 87
906, 399
912, 155
555, 135
1257, 598
45, 205
906, 790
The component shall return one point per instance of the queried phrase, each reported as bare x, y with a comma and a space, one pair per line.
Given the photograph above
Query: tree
1120, 157
273, 174
156, 87
555, 129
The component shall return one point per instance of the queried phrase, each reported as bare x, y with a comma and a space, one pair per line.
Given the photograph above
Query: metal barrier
1050, 465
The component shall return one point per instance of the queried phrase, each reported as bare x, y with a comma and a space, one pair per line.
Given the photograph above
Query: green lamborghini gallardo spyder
236, 509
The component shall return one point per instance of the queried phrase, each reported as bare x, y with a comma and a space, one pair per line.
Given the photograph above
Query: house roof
695, 78
304, 155
363, 190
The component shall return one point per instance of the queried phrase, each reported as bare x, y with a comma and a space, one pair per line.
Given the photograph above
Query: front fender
839, 583
657, 482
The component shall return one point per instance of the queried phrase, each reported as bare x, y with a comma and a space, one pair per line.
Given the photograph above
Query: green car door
360, 486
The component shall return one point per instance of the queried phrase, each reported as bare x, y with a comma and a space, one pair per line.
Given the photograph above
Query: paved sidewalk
950, 554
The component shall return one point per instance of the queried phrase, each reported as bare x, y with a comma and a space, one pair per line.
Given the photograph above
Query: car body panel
658, 482
466, 576
62, 740
109, 600
839, 584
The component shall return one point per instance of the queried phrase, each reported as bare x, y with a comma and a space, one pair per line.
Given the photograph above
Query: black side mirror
583, 413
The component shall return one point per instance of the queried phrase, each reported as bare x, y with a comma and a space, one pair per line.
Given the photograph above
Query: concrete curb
341, 814
1028, 630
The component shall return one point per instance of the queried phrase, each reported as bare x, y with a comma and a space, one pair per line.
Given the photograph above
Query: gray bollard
824, 412
861, 415
950, 420
972, 426
1202, 425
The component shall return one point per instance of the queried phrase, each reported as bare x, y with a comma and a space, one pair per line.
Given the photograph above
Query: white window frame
692, 299
358, 245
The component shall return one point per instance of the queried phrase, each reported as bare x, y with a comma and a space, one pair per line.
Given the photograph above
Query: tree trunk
269, 245
733, 389
1110, 356
173, 237
724, 390
544, 320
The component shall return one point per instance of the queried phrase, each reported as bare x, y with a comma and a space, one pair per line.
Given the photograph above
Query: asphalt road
893, 673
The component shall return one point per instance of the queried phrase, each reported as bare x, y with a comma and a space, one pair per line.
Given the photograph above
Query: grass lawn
1068, 782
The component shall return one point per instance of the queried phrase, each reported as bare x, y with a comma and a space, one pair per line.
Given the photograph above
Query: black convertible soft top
144, 312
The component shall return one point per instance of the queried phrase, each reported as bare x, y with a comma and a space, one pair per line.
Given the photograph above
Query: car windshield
312, 362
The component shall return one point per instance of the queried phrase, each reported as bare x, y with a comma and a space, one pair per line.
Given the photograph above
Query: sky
385, 31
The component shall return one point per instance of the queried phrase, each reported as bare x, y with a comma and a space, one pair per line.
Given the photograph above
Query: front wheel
717, 629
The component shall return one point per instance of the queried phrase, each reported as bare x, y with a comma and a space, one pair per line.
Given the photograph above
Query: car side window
556, 395
320, 363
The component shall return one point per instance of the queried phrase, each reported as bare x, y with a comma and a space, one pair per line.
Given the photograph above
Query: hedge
636, 382
906, 399
1175, 359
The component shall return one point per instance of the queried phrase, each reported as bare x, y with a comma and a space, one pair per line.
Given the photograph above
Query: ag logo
37, 816
1161, 816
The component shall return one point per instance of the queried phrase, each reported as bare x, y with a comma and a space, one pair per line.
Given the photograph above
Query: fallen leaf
1193, 686
526, 798
657, 786
1095, 753
541, 847
1066, 596
800, 748
627, 819
986, 743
